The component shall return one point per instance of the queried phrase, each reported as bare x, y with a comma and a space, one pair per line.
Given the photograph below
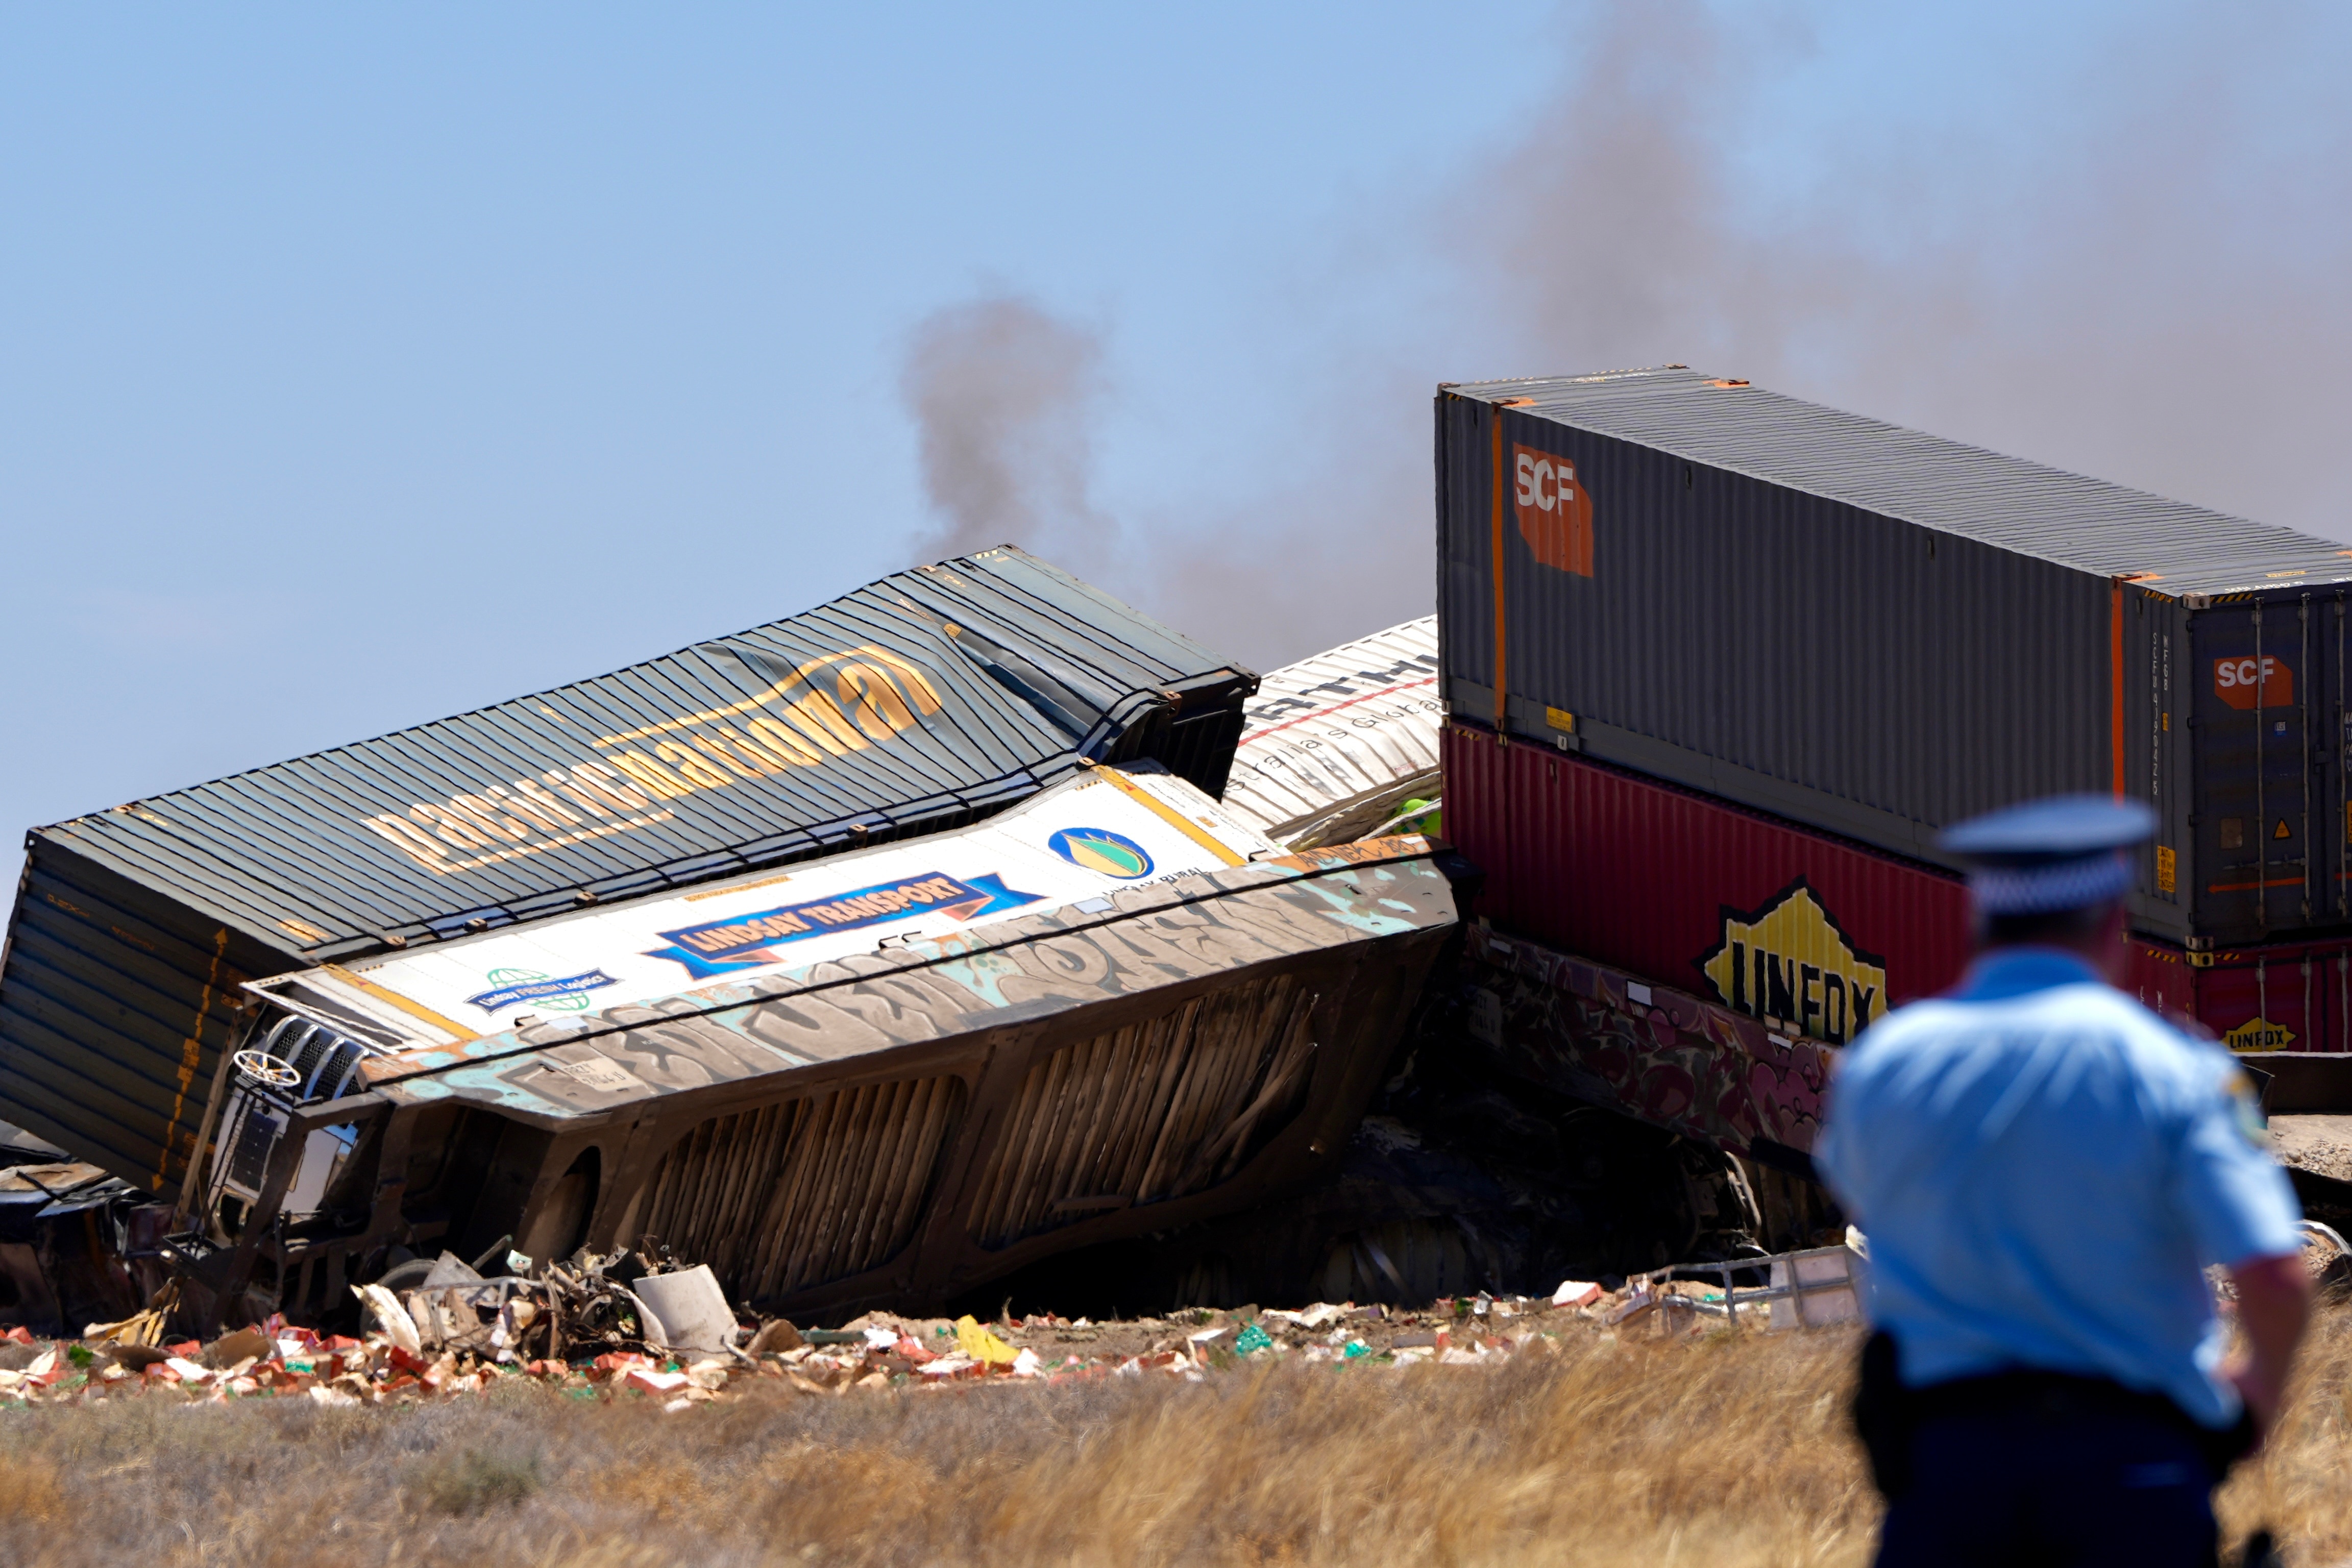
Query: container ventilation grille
1159, 1109
796, 1195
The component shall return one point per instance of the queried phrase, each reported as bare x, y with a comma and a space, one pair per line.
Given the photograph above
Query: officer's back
2044, 1167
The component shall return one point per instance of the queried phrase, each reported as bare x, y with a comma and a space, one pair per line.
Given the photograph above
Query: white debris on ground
442, 1344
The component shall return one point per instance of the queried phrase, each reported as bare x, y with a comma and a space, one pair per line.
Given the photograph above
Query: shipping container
1815, 935
1877, 633
1084, 838
1333, 746
886, 1076
2290, 996
924, 701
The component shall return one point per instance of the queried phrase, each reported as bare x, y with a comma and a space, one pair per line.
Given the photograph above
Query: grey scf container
1878, 632
923, 701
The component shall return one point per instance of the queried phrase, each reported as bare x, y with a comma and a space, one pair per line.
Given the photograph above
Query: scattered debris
686, 1311
596, 1326
2326, 1259
980, 1345
1816, 1288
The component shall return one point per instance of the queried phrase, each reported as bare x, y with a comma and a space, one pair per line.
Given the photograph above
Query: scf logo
2254, 683
1555, 512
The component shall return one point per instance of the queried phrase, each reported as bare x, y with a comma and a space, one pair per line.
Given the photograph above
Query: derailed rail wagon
899, 1079
1333, 746
927, 700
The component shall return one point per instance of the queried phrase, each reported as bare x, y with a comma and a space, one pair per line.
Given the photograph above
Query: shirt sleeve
2240, 1204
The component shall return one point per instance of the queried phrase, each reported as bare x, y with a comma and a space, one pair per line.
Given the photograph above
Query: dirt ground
1581, 1444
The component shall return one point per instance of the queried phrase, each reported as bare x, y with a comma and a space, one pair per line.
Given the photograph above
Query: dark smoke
2142, 283
2133, 271
1003, 395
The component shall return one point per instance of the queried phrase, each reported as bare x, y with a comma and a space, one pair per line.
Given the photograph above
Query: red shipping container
1733, 906
1804, 930
2292, 997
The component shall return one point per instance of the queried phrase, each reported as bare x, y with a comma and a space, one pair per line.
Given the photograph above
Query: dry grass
1722, 1451
29, 1492
2302, 1486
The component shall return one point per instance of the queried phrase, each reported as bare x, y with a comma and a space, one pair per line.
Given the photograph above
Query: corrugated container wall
1810, 932
1333, 745
1877, 633
923, 701
1769, 920
2287, 997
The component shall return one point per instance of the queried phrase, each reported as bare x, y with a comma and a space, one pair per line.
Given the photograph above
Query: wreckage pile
624, 1325
401, 1362
607, 1326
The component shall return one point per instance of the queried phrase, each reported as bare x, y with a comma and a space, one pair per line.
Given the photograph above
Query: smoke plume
2132, 270
1002, 394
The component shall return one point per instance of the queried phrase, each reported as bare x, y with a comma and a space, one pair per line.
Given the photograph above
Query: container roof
919, 702
2091, 525
1344, 729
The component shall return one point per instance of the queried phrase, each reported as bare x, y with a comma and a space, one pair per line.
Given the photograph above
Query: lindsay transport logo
1100, 849
1788, 963
513, 985
747, 942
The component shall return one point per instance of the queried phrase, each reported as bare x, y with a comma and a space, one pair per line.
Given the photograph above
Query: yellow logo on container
1789, 964
2260, 1034
828, 707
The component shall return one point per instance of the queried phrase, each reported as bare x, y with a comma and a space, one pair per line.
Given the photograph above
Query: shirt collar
2007, 972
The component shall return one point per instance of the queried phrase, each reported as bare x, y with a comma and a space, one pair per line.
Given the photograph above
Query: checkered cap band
2051, 886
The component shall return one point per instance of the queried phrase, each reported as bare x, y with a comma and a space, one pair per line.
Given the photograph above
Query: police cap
2065, 852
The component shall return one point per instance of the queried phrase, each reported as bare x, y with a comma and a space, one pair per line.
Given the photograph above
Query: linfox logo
1789, 964
2249, 682
2259, 1035
868, 695
1555, 512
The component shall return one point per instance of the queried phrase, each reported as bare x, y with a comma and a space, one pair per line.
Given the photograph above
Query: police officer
2042, 1167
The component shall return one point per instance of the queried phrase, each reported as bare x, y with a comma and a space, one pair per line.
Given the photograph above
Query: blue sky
358, 367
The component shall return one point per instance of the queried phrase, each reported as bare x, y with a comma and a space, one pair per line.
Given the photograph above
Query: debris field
585, 1330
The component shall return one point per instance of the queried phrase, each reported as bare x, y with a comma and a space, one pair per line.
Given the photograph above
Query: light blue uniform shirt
2044, 1167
